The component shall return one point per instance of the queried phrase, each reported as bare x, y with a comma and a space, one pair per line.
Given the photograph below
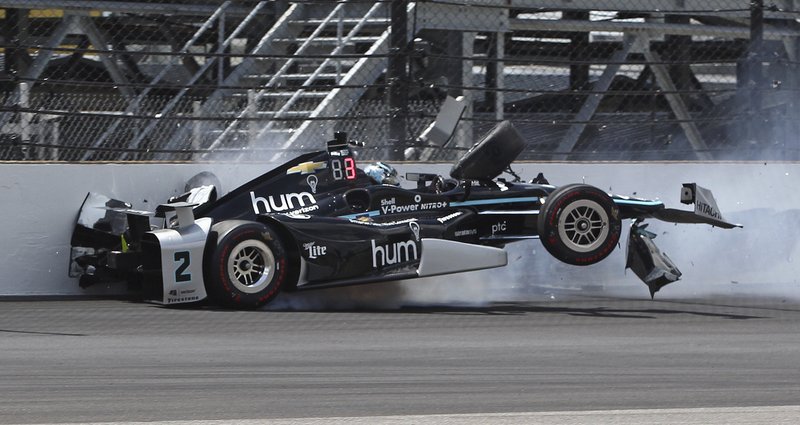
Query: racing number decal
337, 169
349, 168
348, 172
183, 259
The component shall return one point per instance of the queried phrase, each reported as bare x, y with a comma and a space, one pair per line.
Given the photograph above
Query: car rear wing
646, 260
705, 209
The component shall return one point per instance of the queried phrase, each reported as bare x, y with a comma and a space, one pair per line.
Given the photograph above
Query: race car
321, 221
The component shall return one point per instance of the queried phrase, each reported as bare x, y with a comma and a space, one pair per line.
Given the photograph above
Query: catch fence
261, 80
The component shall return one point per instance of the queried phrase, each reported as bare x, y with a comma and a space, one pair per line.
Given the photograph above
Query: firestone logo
393, 253
279, 203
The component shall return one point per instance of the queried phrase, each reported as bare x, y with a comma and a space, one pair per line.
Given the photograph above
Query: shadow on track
599, 312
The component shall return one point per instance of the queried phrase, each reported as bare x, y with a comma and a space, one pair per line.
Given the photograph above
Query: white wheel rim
251, 266
583, 226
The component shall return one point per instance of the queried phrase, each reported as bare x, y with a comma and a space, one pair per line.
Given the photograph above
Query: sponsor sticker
182, 299
395, 209
499, 227
464, 233
314, 251
284, 202
414, 226
312, 181
393, 253
307, 167
708, 211
449, 217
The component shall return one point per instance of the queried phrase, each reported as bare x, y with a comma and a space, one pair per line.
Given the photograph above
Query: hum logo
283, 202
393, 253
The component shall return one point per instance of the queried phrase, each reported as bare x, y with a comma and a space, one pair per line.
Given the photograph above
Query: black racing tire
579, 224
247, 266
491, 156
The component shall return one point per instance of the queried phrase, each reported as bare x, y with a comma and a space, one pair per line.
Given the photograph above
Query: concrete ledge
40, 204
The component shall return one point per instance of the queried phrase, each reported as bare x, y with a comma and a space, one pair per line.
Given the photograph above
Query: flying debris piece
652, 266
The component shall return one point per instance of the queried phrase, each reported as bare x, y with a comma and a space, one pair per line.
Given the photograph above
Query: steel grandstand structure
252, 80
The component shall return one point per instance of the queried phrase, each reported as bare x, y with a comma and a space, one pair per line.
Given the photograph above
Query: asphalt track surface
590, 360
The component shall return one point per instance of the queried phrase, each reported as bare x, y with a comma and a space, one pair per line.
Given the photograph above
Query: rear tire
579, 224
489, 157
248, 265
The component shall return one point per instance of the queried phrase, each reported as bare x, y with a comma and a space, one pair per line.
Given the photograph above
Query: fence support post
579, 41
754, 78
55, 140
197, 127
252, 114
25, 119
397, 77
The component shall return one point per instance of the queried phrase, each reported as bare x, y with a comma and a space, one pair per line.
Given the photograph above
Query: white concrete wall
40, 204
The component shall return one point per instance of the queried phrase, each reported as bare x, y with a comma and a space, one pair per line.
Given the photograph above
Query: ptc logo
499, 227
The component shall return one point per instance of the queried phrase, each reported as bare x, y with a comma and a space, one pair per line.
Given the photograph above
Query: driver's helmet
382, 173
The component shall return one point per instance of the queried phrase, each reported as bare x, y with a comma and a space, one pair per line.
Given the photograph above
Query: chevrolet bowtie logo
307, 167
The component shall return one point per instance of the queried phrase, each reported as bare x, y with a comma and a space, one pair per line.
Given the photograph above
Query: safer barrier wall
40, 203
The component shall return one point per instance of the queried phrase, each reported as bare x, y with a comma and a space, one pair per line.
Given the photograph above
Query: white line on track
773, 415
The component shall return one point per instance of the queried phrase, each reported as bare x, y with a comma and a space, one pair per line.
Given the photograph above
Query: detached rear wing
651, 265
705, 209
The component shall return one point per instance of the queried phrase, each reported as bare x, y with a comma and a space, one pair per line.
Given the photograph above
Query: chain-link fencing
258, 80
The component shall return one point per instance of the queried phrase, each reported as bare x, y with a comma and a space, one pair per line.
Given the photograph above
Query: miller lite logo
314, 251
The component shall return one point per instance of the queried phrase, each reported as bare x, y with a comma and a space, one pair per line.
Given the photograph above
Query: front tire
579, 224
248, 265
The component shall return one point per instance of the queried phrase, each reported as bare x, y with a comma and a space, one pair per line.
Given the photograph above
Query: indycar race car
320, 221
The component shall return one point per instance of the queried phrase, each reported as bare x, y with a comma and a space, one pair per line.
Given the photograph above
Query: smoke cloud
760, 261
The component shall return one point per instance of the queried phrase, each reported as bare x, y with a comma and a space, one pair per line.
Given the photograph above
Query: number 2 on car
182, 260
